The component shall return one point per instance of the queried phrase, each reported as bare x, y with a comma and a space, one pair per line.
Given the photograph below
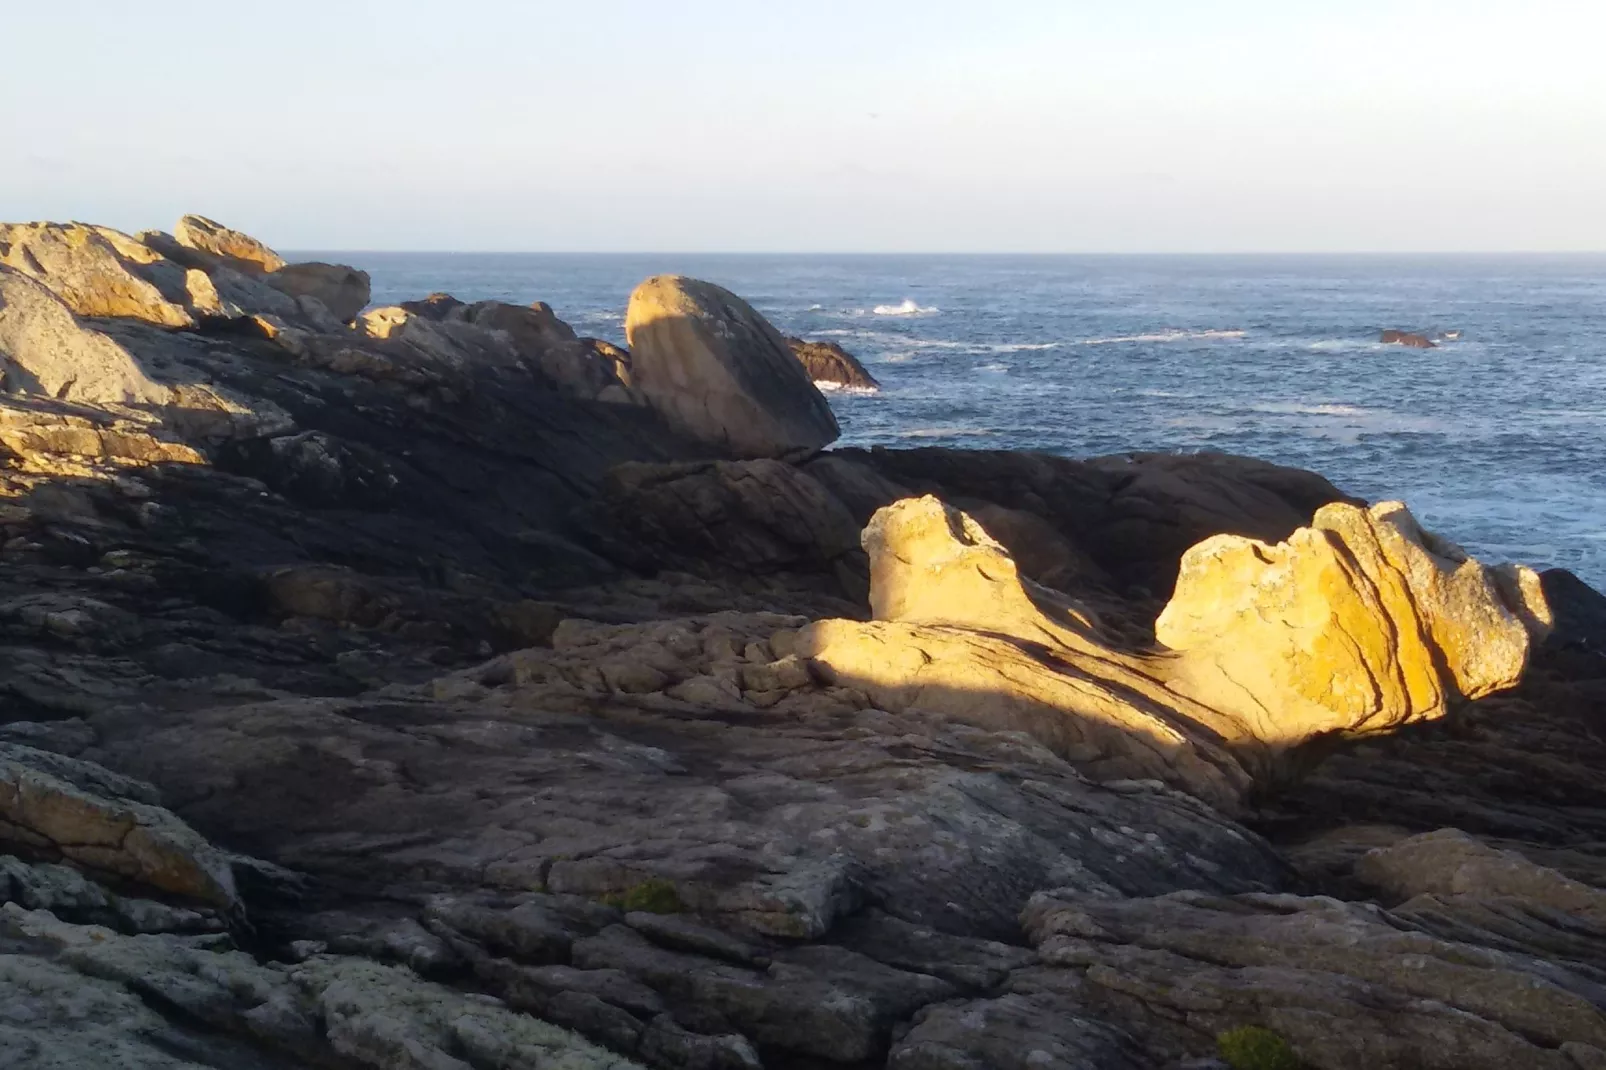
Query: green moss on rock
652, 896
1251, 1047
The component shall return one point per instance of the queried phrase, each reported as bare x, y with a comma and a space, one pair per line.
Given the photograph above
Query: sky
876, 125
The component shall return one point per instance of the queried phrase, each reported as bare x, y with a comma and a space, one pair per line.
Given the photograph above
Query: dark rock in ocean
1406, 338
827, 362
719, 373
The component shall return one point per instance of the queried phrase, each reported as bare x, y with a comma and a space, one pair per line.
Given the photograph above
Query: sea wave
1162, 336
1295, 408
994, 367
907, 308
826, 386
942, 432
1015, 347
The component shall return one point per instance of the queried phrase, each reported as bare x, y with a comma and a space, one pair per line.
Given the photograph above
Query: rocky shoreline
432, 687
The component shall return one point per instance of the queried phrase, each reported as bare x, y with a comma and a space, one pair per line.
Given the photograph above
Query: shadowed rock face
423, 699
720, 373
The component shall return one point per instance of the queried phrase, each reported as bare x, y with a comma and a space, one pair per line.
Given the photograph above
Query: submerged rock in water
829, 363
1406, 338
720, 373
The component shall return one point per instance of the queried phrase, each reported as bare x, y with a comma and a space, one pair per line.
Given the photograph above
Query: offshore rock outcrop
829, 364
1407, 338
399, 689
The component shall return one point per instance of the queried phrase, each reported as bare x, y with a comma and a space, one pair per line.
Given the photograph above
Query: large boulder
344, 291
720, 373
1360, 622
831, 366
240, 251
97, 271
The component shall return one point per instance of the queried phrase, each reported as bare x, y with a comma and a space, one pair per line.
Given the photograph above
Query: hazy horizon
1163, 127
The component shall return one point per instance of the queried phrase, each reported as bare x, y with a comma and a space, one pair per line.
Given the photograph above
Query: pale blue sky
1122, 125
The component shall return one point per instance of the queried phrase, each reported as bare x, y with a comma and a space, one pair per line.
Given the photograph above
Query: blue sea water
1496, 439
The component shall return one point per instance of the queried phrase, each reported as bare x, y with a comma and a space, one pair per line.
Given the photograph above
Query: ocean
1495, 439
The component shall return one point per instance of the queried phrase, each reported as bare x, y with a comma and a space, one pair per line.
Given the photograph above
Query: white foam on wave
826, 386
1294, 408
1162, 336
907, 308
994, 367
1016, 347
942, 432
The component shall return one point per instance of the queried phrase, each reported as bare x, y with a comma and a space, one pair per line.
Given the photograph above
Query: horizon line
942, 252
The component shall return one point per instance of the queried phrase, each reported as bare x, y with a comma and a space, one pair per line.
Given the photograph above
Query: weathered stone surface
344, 291
240, 251
99, 999
1451, 863
720, 373
1015, 1031
77, 811
761, 516
831, 366
1361, 622
1347, 985
97, 271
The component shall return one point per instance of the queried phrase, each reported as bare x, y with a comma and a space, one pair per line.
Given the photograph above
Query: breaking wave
1293, 408
826, 386
907, 308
